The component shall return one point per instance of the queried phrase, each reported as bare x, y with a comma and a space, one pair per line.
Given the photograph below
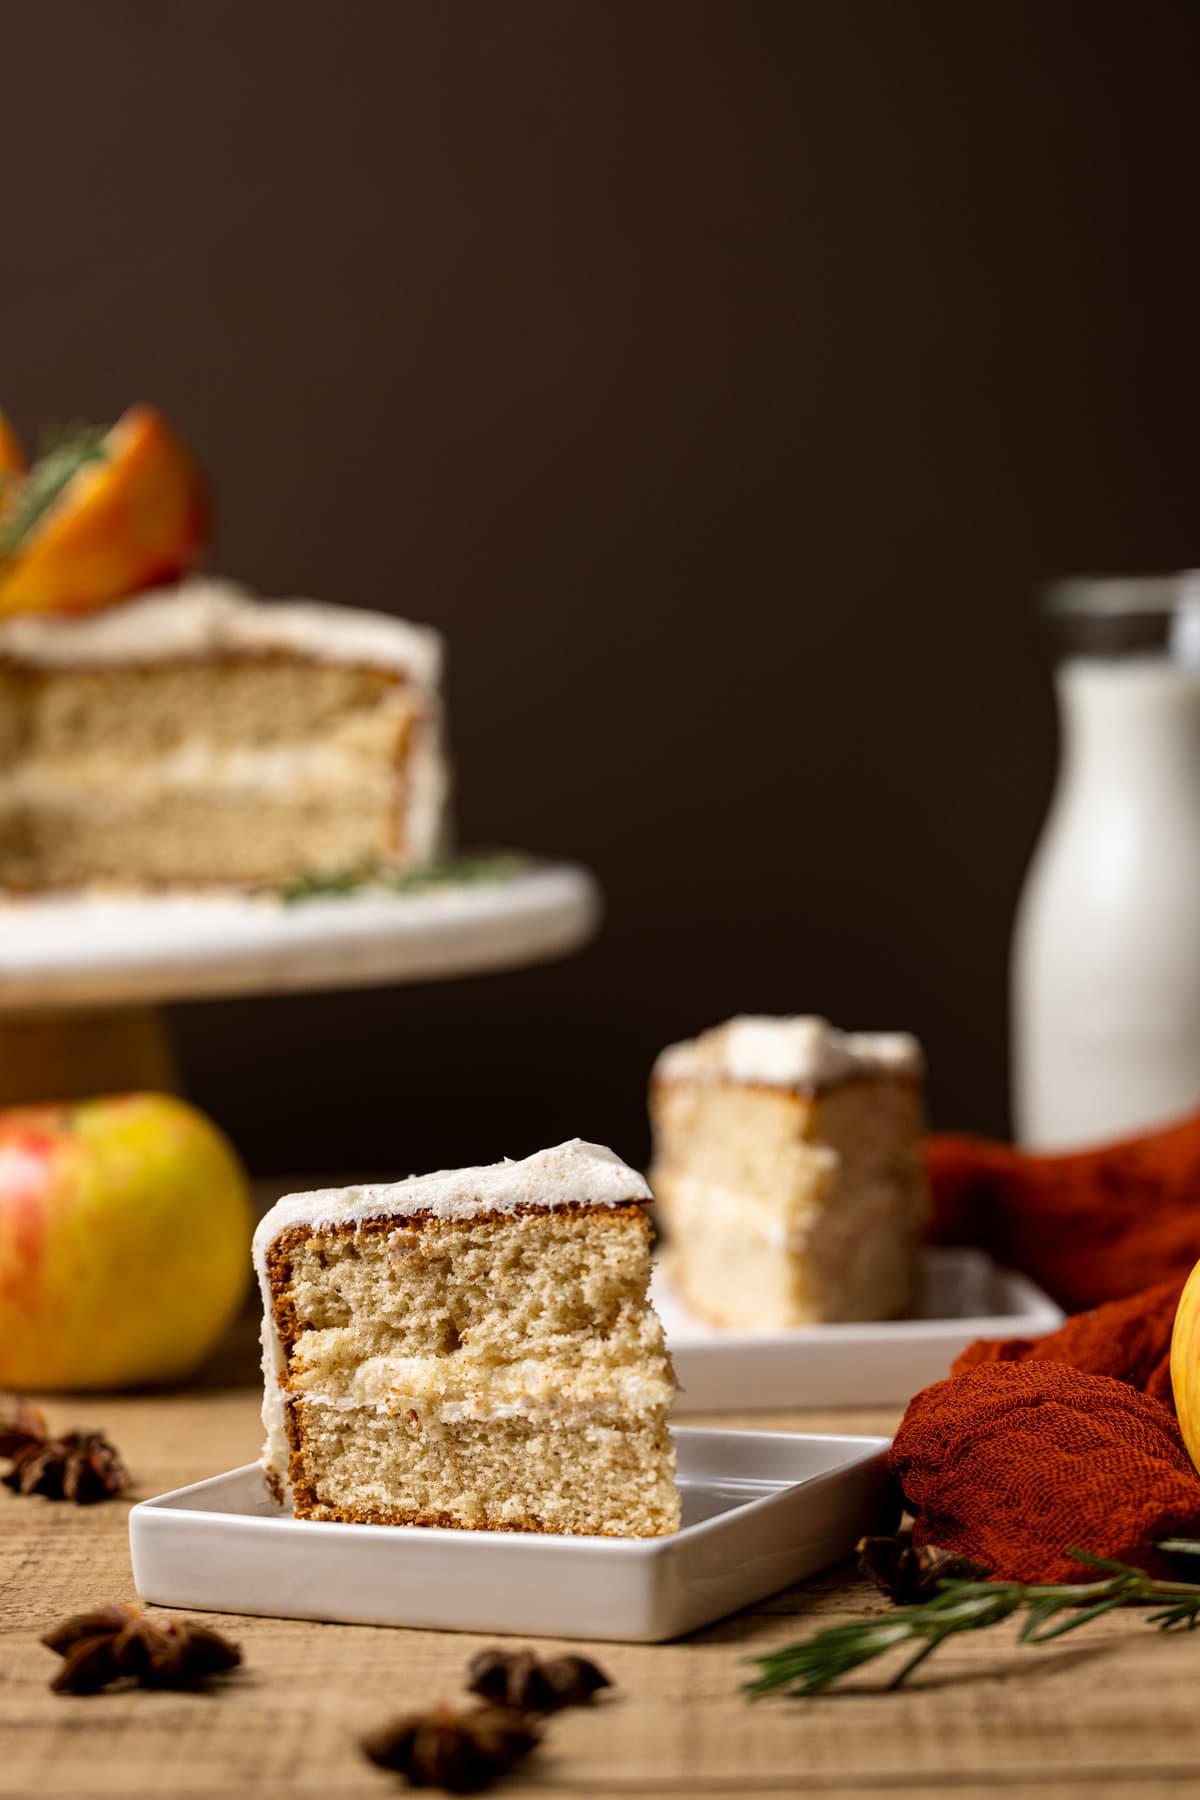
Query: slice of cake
473, 1348
200, 736
788, 1170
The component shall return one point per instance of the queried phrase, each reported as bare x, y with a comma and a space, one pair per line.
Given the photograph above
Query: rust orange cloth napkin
1012, 1463
1032, 1446
1093, 1226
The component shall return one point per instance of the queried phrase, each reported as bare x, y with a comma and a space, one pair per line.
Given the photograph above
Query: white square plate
761, 1510
964, 1296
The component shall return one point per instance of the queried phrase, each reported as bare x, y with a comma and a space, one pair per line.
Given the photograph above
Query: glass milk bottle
1106, 954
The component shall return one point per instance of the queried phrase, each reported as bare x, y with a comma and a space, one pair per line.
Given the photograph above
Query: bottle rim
1116, 596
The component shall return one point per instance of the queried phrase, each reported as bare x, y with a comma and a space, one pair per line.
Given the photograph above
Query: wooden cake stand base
75, 1055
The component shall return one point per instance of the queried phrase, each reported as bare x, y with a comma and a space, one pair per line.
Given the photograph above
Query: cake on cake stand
83, 976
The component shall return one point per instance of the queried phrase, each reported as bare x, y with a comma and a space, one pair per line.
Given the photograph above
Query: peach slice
12, 456
133, 516
12, 466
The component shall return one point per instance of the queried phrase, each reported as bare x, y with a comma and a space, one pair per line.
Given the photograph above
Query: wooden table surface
1113, 1712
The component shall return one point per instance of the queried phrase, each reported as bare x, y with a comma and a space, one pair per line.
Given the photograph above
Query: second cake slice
787, 1164
473, 1349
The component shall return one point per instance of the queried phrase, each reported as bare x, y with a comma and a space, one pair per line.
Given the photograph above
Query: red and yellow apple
124, 1242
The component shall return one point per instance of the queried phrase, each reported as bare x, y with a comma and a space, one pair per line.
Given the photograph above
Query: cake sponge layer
603, 1478
539, 1311
196, 840
129, 713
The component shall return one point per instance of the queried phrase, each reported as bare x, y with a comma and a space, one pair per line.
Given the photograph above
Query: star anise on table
518, 1678
112, 1643
909, 1574
80, 1465
461, 1750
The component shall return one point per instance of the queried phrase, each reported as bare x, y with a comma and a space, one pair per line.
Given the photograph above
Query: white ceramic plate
761, 1510
113, 949
964, 1296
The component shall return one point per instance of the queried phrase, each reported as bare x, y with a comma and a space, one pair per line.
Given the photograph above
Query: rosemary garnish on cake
25, 499
455, 871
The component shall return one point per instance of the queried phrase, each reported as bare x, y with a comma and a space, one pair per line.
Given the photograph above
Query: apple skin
125, 1226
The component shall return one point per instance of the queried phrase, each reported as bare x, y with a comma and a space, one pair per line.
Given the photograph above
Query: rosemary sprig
27, 498
1050, 1611
455, 871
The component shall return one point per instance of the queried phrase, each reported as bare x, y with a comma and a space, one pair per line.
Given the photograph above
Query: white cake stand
82, 976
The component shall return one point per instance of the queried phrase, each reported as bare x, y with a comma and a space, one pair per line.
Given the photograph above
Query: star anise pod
21, 1426
461, 1751
111, 1643
908, 1574
519, 1678
81, 1465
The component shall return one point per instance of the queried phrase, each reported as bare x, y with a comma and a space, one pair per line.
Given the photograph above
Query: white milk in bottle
1106, 956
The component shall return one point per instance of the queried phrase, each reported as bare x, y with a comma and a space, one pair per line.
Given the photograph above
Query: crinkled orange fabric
1010, 1463
1089, 1227
1127, 1339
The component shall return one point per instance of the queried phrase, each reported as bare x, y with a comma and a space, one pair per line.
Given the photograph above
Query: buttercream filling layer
762, 1218
416, 1385
275, 770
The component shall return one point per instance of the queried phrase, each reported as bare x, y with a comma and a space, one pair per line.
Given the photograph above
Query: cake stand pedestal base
77, 1055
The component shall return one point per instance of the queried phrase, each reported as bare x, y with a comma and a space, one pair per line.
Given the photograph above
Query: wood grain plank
1114, 1713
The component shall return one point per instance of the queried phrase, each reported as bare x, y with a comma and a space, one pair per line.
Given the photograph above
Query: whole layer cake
473, 1349
200, 736
788, 1171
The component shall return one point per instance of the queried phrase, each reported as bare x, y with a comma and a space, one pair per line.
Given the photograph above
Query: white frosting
207, 617
571, 1174
803, 1052
429, 782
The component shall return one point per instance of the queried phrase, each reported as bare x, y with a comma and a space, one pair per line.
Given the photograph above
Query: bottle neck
1130, 726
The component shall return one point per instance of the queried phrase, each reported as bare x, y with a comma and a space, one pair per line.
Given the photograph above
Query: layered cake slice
201, 736
473, 1348
788, 1171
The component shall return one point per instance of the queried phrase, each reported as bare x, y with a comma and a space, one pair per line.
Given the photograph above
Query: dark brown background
721, 378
